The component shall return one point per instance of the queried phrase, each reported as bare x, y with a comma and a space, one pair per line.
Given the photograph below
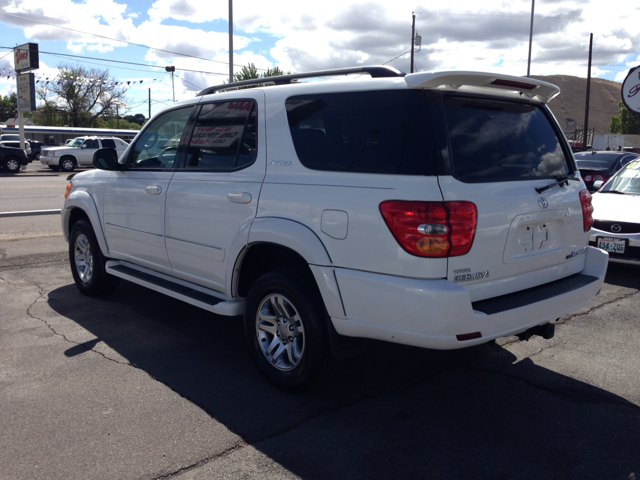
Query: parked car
36, 148
616, 227
439, 210
11, 159
16, 144
78, 153
599, 166
5, 137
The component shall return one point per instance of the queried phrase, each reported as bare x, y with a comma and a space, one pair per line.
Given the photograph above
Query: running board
190, 293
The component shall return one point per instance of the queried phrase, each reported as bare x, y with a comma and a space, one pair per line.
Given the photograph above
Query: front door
134, 204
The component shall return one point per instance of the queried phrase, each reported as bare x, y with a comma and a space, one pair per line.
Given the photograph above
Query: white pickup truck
79, 153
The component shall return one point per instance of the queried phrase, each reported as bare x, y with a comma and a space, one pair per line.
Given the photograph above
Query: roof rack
375, 72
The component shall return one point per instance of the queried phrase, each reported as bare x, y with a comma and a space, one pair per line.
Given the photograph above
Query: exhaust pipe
546, 331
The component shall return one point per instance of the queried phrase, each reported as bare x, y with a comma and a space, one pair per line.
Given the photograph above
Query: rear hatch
506, 156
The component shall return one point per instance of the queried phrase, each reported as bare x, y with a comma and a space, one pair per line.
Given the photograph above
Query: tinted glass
91, 143
157, 145
108, 143
224, 136
370, 132
627, 180
498, 141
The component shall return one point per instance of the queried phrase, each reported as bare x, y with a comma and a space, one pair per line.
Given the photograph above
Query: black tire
11, 164
291, 348
67, 164
87, 263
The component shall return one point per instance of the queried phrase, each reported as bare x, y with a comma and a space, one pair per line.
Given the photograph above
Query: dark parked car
12, 158
601, 165
36, 147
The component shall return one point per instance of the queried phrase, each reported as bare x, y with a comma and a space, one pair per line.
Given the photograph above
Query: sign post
25, 59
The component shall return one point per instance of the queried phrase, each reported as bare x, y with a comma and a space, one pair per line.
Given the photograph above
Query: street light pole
173, 88
413, 36
230, 41
533, 3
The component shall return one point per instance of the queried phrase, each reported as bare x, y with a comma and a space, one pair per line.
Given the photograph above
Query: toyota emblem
543, 202
615, 228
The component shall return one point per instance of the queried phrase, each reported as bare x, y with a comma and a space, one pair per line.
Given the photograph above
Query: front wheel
67, 164
87, 262
285, 325
11, 165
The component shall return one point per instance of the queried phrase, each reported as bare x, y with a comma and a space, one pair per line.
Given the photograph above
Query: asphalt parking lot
138, 385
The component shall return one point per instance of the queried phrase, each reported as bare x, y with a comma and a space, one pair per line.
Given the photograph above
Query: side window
157, 145
224, 136
108, 143
386, 132
91, 143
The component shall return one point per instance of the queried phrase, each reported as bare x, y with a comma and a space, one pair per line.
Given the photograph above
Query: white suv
440, 210
78, 153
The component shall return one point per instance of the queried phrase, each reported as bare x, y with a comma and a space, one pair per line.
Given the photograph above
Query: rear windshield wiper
560, 180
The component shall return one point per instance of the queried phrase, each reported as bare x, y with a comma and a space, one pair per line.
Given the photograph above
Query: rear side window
499, 141
108, 143
368, 132
224, 136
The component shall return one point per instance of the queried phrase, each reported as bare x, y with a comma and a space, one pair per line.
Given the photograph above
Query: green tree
138, 118
250, 72
626, 121
82, 95
8, 106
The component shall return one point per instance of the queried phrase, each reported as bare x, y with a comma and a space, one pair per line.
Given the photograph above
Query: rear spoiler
535, 89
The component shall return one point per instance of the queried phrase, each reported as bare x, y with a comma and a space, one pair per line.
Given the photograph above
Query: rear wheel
285, 325
87, 262
11, 164
67, 164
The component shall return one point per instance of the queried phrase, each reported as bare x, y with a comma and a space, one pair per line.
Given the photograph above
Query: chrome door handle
239, 197
153, 189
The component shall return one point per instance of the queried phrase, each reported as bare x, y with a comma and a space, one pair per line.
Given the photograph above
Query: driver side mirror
84, 145
106, 159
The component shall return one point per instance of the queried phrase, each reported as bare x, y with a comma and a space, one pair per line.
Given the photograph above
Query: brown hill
568, 107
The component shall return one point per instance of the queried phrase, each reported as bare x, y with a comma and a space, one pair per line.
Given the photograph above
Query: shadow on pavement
393, 412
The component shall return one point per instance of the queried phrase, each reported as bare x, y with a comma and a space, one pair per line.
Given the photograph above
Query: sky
299, 36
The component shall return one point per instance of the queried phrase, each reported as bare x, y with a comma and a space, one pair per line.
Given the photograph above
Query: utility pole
149, 102
586, 108
413, 36
117, 116
230, 41
533, 4
173, 88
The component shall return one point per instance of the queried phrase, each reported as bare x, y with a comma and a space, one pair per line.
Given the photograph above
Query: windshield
626, 180
8, 136
76, 142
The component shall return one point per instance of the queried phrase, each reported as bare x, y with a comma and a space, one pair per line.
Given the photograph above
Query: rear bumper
430, 313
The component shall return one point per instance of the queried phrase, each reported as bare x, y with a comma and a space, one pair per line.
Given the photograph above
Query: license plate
612, 245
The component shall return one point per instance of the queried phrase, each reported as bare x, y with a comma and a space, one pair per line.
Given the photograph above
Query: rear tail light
587, 210
588, 178
599, 178
431, 229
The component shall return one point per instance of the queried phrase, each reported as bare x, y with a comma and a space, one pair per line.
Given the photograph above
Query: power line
119, 40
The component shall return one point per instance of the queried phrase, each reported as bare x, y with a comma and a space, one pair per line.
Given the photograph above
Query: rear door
213, 195
500, 152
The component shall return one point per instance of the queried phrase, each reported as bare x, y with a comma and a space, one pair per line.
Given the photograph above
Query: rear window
495, 141
367, 132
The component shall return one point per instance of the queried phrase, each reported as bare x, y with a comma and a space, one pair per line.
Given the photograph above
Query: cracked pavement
138, 385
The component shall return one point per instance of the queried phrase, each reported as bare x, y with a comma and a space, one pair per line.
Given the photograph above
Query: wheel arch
80, 205
276, 242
